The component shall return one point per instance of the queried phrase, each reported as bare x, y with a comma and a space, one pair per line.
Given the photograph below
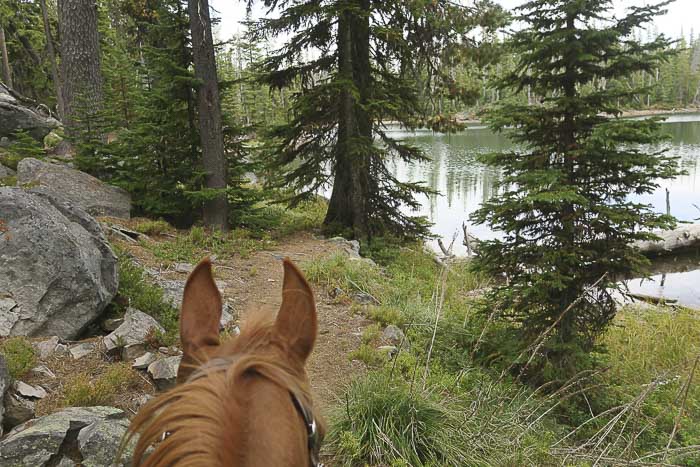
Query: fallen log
672, 241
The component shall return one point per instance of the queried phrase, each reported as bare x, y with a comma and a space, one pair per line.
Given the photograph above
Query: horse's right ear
296, 319
199, 316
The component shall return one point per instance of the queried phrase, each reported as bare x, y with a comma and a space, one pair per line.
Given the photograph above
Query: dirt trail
256, 281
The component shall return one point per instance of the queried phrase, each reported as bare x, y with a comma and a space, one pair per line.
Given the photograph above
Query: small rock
6, 172
271, 280
389, 350
61, 349
184, 268
360, 259
134, 330
164, 372
28, 391
394, 334
17, 410
143, 399
42, 371
132, 351
364, 298
81, 350
142, 362
351, 247
164, 350
227, 316
47, 348
336, 292
112, 324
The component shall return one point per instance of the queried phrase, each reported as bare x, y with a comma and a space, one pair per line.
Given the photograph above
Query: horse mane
203, 419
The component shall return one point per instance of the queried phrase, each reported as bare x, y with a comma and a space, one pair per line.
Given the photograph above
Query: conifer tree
356, 62
563, 205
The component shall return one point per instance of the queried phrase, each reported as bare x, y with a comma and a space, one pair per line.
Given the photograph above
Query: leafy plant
20, 355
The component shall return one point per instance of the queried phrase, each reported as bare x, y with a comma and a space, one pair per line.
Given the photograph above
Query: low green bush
20, 355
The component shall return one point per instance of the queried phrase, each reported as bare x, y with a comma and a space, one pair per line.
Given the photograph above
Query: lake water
464, 183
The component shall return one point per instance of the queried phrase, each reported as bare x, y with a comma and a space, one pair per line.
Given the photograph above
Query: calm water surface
464, 183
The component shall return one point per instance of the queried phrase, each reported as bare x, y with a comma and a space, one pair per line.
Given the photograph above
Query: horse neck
275, 434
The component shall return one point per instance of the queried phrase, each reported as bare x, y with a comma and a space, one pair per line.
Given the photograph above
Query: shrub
83, 391
152, 227
22, 147
19, 354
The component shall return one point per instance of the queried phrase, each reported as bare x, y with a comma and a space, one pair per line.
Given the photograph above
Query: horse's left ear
296, 319
200, 314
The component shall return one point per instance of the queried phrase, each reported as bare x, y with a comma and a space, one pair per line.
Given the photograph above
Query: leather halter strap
314, 441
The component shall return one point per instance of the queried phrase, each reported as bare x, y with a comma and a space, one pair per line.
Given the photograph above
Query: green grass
153, 227
136, 287
279, 221
84, 391
385, 420
19, 354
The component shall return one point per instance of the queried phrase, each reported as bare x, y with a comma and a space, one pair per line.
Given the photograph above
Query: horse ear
201, 312
296, 319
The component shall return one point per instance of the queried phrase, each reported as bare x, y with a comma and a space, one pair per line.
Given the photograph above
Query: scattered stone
142, 362
228, 316
17, 410
47, 348
133, 351
19, 114
164, 350
61, 349
5, 381
87, 436
81, 350
351, 247
111, 324
364, 298
164, 372
80, 189
183, 268
389, 350
394, 335
6, 172
28, 391
42, 371
57, 266
368, 261
336, 292
133, 330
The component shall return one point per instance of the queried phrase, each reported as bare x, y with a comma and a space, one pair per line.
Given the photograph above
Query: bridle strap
314, 442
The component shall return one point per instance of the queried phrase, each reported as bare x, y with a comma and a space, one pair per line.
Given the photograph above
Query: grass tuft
85, 391
20, 355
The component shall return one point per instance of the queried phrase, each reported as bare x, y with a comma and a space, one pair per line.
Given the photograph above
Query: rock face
56, 265
87, 436
16, 115
78, 188
17, 410
133, 330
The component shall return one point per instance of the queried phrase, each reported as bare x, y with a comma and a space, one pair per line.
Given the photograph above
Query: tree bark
52, 58
6, 73
80, 62
349, 206
209, 106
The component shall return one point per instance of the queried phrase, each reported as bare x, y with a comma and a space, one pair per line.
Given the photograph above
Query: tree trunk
52, 58
6, 73
209, 105
80, 63
349, 206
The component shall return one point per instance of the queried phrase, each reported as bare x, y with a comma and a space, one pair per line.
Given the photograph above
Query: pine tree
563, 205
356, 62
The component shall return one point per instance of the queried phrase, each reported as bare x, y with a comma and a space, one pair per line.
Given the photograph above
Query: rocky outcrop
17, 115
75, 187
86, 436
164, 372
58, 271
6, 172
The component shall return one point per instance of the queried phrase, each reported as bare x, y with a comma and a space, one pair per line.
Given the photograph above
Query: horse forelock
203, 421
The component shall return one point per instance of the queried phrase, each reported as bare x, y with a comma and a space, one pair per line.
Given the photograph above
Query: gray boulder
133, 330
394, 335
56, 266
88, 436
17, 410
75, 187
16, 114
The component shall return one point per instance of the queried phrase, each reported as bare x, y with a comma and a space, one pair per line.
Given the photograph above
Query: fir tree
357, 62
563, 206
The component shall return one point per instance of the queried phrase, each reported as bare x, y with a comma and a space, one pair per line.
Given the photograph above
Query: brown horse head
242, 402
